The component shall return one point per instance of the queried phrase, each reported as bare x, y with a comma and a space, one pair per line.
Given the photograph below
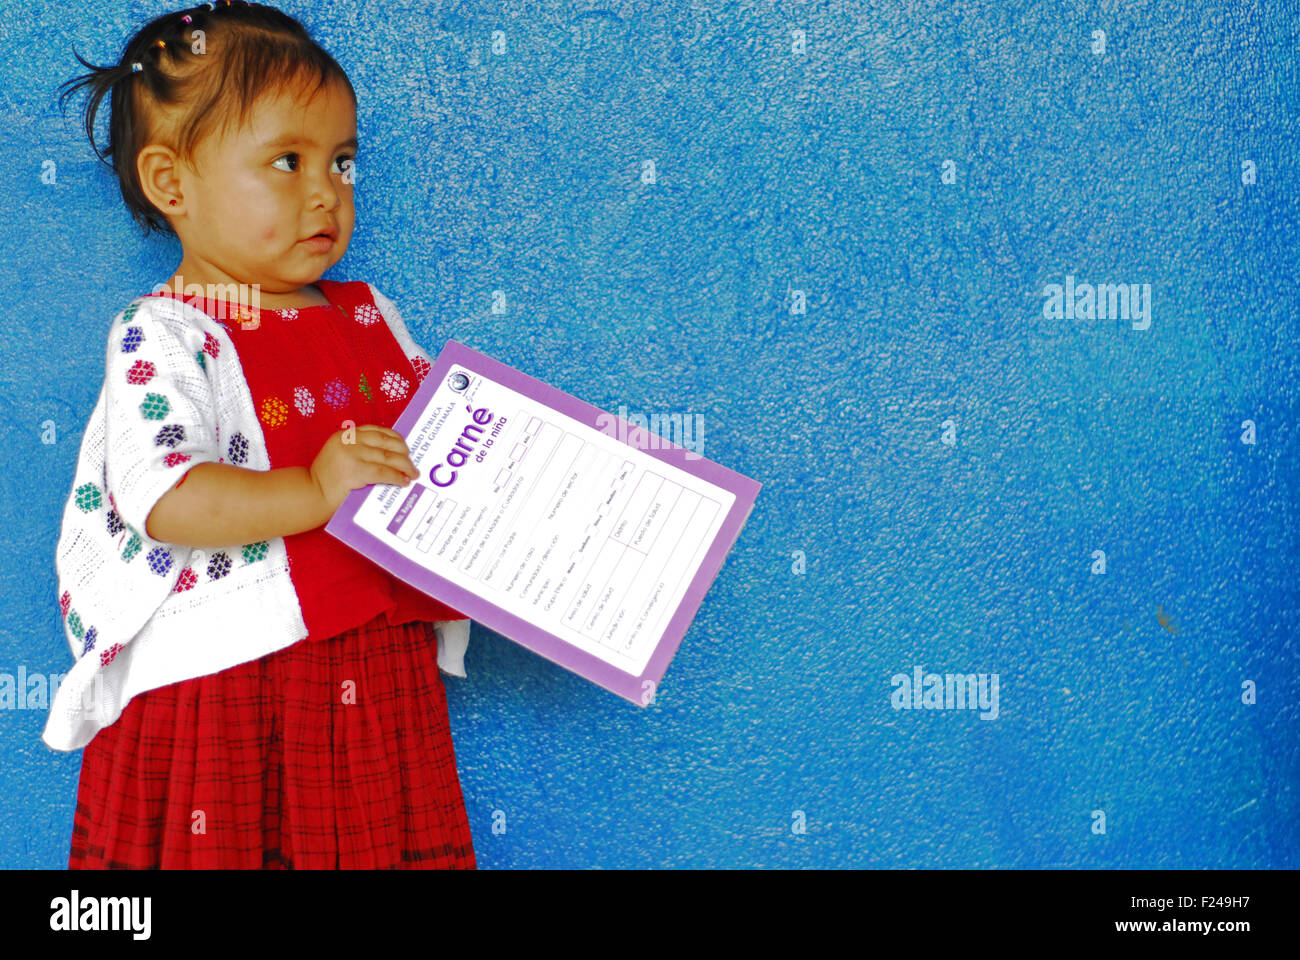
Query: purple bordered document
573, 533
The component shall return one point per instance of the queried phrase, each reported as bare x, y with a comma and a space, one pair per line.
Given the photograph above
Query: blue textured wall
860, 332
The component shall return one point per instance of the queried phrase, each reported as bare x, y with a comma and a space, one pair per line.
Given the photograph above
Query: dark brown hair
195, 77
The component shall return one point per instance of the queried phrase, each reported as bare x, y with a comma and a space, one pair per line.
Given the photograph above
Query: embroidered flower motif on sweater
160, 561
88, 497
170, 435
186, 581
141, 372
155, 406
274, 412
303, 400
90, 642
365, 389
336, 393
365, 314
394, 385
421, 367
131, 342
238, 450
218, 566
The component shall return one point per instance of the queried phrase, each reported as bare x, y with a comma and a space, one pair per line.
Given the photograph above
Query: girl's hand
379, 455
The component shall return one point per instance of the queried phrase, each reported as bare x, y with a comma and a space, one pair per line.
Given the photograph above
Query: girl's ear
159, 174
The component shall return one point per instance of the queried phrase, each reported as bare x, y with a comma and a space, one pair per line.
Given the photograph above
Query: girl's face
248, 210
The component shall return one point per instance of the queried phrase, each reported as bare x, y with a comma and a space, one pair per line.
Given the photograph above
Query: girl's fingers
391, 443
381, 436
396, 478
398, 463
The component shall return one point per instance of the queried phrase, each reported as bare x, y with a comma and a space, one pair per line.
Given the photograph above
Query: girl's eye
343, 159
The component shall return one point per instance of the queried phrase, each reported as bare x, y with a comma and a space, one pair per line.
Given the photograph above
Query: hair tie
186, 19
136, 67
161, 44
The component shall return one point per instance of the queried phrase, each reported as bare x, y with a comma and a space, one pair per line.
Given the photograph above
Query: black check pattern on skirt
264, 765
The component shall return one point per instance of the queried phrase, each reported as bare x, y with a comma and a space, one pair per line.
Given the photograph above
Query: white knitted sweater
139, 613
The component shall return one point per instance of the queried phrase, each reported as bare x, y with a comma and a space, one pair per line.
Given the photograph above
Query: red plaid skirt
328, 754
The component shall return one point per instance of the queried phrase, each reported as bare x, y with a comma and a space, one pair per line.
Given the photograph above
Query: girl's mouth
321, 243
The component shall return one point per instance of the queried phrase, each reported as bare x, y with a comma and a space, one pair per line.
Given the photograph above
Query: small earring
172, 202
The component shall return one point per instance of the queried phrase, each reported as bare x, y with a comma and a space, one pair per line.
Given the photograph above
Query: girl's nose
324, 191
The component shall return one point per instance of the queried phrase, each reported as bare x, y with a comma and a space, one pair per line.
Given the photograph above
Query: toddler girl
249, 691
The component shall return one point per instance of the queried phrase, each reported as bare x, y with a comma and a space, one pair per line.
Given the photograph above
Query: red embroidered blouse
308, 370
